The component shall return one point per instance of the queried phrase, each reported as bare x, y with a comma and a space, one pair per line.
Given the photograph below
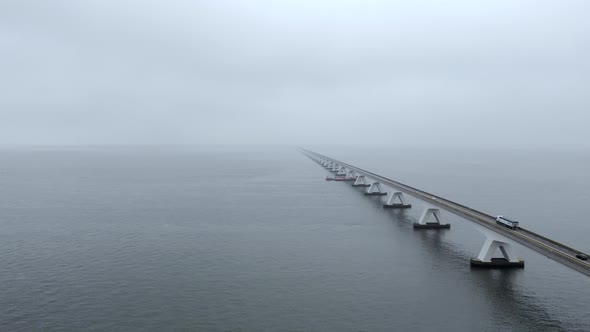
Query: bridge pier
492, 243
423, 222
375, 190
341, 172
350, 176
360, 182
391, 204
335, 169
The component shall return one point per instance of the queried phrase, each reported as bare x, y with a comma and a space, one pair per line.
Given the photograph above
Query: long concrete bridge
497, 236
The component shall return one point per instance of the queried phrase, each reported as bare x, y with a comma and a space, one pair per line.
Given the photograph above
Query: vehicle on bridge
582, 256
501, 220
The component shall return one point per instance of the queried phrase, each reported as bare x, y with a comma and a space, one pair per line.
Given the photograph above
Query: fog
297, 72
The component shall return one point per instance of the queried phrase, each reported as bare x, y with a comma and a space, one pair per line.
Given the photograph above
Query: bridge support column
360, 182
342, 171
375, 190
335, 169
391, 202
423, 222
494, 242
350, 176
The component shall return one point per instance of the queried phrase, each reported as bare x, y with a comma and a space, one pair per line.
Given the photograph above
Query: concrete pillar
392, 204
375, 190
495, 242
425, 223
360, 182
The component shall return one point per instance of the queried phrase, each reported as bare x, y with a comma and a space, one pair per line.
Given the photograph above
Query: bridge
498, 237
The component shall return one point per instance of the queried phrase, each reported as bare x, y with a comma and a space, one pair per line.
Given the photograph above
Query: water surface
253, 239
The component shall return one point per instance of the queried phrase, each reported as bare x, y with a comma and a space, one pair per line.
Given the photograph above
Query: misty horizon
295, 73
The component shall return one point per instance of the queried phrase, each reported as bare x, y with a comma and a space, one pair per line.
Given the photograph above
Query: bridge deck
543, 245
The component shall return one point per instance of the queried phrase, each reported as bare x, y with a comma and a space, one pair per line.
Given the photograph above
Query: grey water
254, 239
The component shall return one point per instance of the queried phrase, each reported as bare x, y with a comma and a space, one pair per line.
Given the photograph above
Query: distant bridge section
497, 236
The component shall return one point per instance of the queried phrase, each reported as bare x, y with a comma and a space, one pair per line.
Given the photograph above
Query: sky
499, 73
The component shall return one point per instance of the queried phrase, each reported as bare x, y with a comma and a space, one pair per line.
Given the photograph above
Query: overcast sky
457, 73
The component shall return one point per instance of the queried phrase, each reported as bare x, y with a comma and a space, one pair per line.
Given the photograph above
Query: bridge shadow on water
516, 309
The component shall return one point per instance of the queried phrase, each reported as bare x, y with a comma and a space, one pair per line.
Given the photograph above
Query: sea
252, 238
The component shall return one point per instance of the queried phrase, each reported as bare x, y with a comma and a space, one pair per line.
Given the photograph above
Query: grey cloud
496, 73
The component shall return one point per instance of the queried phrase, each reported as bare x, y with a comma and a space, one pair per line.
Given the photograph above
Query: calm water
225, 239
